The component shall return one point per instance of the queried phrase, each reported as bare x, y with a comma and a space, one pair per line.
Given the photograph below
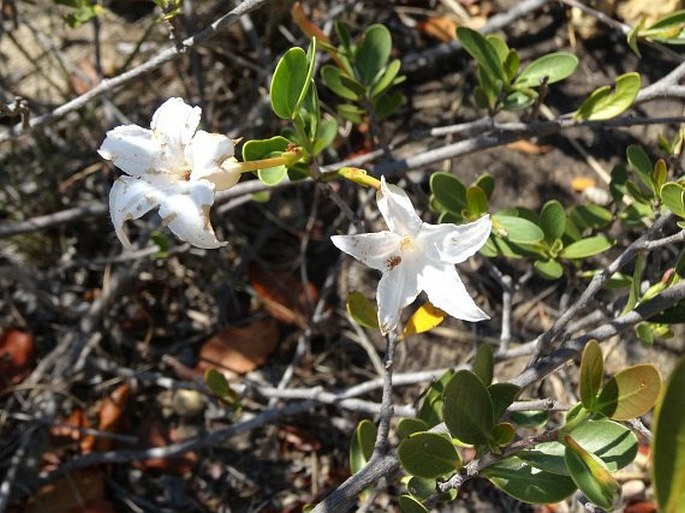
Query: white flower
415, 256
173, 167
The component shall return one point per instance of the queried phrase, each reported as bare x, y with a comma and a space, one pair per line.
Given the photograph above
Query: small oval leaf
428, 455
605, 103
630, 393
587, 247
517, 229
362, 310
289, 83
554, 67
361, 446
591, 372
467, 408
673, 196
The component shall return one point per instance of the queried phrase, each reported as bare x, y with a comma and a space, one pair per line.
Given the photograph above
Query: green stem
285, 159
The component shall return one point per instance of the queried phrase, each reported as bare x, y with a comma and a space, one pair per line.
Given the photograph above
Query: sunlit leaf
587, 247
517, 229
630, 393
591, 373
607, 103
551, 68
362, 310
673, 196
428, 455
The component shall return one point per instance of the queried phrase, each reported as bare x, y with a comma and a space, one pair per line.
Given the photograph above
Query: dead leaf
529, 148
240, 350
111, 411
84, 77
284, 296
443, 28
68, 494
641, 507
71, 430
157, 434
17, 350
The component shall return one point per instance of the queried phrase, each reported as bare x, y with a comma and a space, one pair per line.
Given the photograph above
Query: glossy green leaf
219, 385
614, 444
675, 20
659, 174
409, 504
502, 395
587, 247
519, 100
484, 363
482, 51
607, 103
552, 67
549, 269
639, 161
467, 408
420, 487
290, 82
517, 229
673, 196
449, 191
630, 393
634, 293
352, 113
527, 483
410, 426
591, 373
428, 455
553, 220
362, 310
328, 130
511, 64
533, 419
668, 446
256, 149
330, 76
361, 446
372, 53
591, 476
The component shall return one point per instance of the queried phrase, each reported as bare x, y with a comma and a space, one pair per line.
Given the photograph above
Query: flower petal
397, 210
446, 291
397, 288
185, 209
174, 124
376, 250
206, 153
133, 149
130, 198
453, 243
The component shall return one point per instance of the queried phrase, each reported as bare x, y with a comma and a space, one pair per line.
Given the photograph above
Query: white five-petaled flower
415, 256
174, 167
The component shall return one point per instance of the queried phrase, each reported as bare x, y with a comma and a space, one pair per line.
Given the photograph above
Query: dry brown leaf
17, 350
111, 411
443, 28
68, 493
284, 296
71, 429
632, 11
529, 148
157, 434
240, 350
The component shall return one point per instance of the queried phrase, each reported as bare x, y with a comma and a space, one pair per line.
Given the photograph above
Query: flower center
407, 243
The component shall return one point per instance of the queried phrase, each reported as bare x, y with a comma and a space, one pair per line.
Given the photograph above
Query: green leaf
673, 196
614, 444
477, 200
549, 269
467, 408
361, 446
410, 426
634, 294
387, 79
502, 395
591, 476
659, 175
511, 64
591, 373
362, 310
409, 504
502, 434
519, 100
630, 393
290, 82
554, 67
328, 129
605, 103
482, 51
218, 385
420, 487
387, 103
431, 408
330, 75
373, 52
587, 247
352, 113
553, 220
428, 455
533, 419
487, 183
449, 191
668, 446
256, 149
590, 216
639, 161
517, 229
484, 363
528, 484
